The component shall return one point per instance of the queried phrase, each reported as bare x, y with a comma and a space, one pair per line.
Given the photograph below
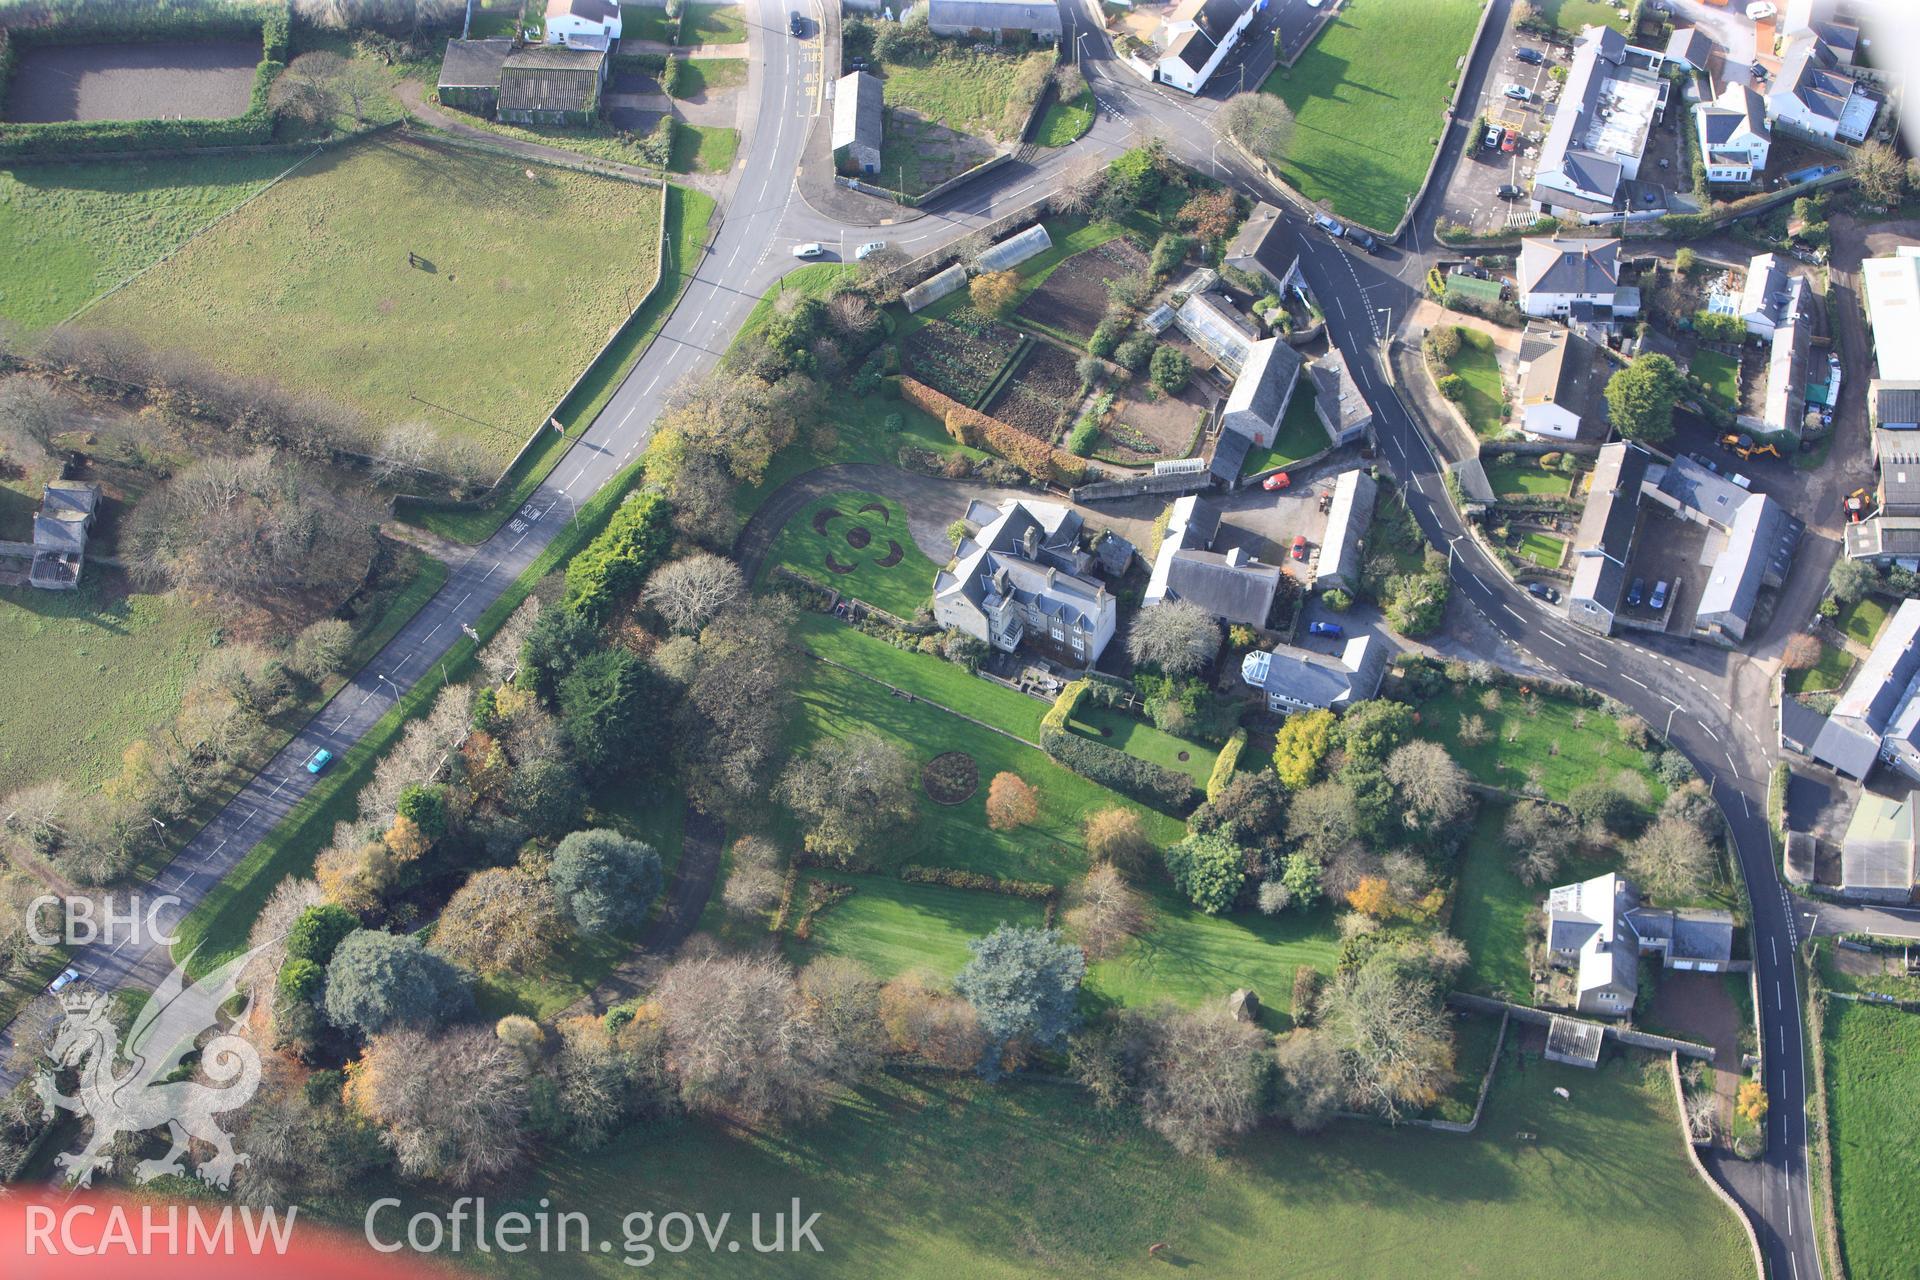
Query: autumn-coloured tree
1751, 1102
1104, 912
502, 920
993, 292
1210, 214
942, 1029
1116, 835
1372, 896
1011, 802
1802, 651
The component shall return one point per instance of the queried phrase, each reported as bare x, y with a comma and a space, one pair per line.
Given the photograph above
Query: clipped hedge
620, 558
1065, 705
1225, 762
979, 881
977, 430
99, 21
1143, 780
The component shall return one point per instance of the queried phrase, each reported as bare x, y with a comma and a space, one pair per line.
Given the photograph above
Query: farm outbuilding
1000, 19
552, 85
856, 123
1016, 249
470, 74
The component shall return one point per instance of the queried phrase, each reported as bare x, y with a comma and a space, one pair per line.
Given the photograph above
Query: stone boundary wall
1693, 1158
1543, 1017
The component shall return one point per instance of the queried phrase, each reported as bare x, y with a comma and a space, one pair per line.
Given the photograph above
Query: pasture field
414, 280
1873, 1068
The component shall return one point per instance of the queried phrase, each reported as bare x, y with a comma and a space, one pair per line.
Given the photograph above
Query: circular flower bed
950, 778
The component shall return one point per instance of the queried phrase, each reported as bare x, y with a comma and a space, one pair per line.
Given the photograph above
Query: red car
1299, 546
1511, 140
1276, 482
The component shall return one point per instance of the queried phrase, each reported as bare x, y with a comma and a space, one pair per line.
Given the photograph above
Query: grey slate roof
1563, 369
1613, 501
1800, 725
1042, 17
1231, 589
1264, 238
1691, 45
1303, 677
1554, 264
1810, 72
1850, 742
857, 101
1685, 933
1898, 453
1894, 404
1587, 921
1215, 19
473, 64
1337, 399
1229, 455
1263, 387
1748, 561
1348, 519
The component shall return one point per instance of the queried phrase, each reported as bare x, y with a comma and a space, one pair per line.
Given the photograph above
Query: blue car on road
1324, 629
319, 760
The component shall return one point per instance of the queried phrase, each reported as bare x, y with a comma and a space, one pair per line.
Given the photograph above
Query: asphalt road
1696, 696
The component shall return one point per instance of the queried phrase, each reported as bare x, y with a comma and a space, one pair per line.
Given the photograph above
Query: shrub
619, 559
671, 76
1225, 763
1134, 352
1130, 776
1169, 252
979, 882
657, 147
1715, 326
1106, 336
318, 930
1209, 869
1171, 369
1453, 387
1337, 600
977, 430
1445, 341
1084, 436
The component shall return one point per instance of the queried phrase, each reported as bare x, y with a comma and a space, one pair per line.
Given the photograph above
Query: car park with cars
1533, 57
1511, 141
1518, 92
1658, 600
1637, 591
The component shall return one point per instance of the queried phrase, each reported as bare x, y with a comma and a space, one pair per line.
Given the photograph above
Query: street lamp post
1668, 732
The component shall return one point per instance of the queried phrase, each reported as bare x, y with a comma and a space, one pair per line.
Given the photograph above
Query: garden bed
1074, 297
859, 545
960, 356
1043, 391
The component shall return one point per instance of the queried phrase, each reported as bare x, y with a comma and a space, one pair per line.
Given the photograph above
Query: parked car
1518, 92
1494, 134
871, 246
319, 760
1532, 57
1276, 482
1364, 239
1299, 546
67, 978
1325, 629
1508, 191
1637, 591
796, 24
1658, 600
1510, 141
1742, 481
1543, 591
1330, 225
813, 250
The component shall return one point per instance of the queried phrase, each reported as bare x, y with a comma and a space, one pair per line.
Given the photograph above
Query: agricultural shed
552, 85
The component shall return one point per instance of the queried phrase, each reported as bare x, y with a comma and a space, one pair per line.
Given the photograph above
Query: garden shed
470, 74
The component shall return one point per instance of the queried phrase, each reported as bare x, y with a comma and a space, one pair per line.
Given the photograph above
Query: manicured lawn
833, 703
710, 75
943, 682
1477, 363
1720, 373
1543, 549
1521, 477
965, 89
1140, 739
1862, 619
1064, 122
933, 1176
496, 323
847, 549
500, 19
89, 671
688, 213
1368, 97
704, 148
702, 24
1301, 435
1572, 15
1532, 731
70, 231
894, 927
1828, 673
1192, 958
1873, 1071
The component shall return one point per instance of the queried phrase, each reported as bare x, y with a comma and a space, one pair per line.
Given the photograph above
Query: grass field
1520, 477
925, 1176
1367, 98
1828, 673
1477, 363
1873, 1071
1065, 122
704, 148
894, 927
1863, 619
943, 682
1572, 15
1720, 373
688, 213
833, 703
72, 231
1543, 549
1192, 958
1301, 435
702, 24
1142, 740
901, 589
88, 672
500, 319
966, 90
1526, 732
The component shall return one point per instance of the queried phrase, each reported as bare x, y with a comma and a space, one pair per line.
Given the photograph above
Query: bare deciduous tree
1672, 861
1178, 638
1432, 790
1542, 835
735, 705
1080, 185
1104, 913
403, 450
840, 1001
739, 1041
1199, 1075
500, 656
502, 920
455, 1135
1312, 1078
934, 1025
1261, 123
689, 591
753, 877
31, 415
1387, 1019
850, 792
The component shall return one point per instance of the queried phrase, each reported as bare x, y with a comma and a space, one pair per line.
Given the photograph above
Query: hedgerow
620, 558
1143, 780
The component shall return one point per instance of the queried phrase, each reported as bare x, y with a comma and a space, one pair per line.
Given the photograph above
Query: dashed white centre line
1548, 635
1625, 676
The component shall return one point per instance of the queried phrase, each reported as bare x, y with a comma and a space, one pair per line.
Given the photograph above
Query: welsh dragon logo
138, 1096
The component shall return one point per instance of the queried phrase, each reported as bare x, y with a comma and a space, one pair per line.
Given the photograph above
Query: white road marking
1548, 635
1625, 676
1709, 730
1509, 608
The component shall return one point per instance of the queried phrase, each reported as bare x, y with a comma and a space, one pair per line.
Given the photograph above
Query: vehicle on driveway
1276, 482
1329, 225
1544, 592
809, 250
319, 760
1325, 629
1658, 600
1531, 56
1510, 141
1507, 191
1299, 546
1637, 591
871, 246
1518, 92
